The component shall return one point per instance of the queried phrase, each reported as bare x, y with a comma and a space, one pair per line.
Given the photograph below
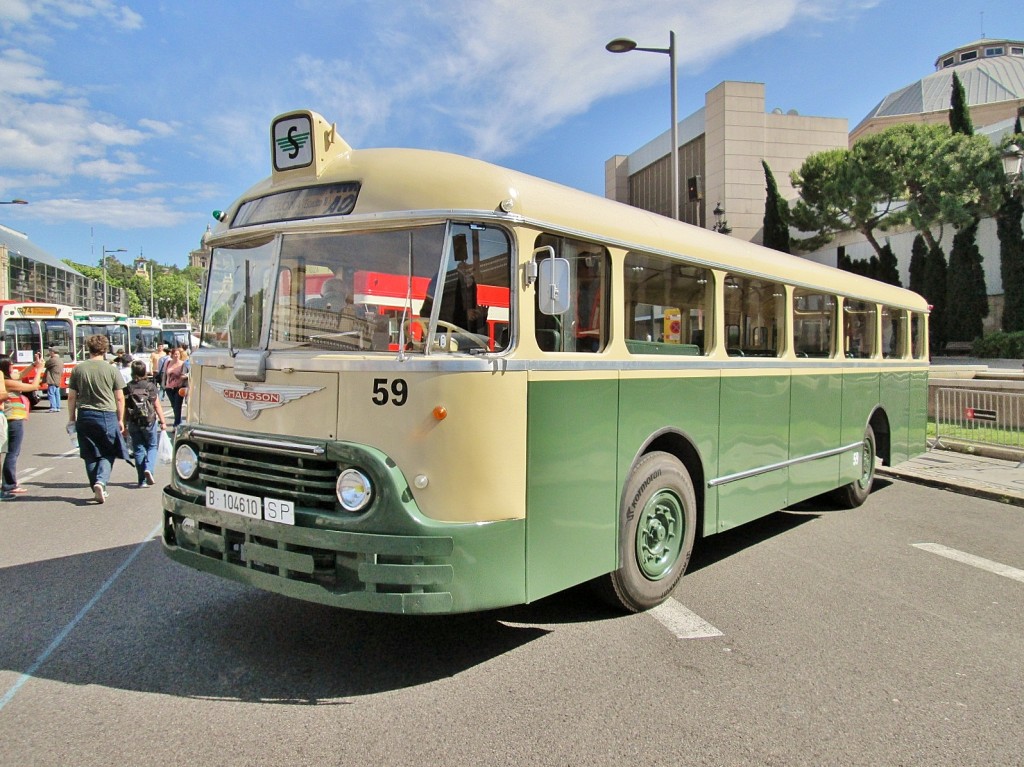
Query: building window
1017, 51
968, 56
994, 51
948, 62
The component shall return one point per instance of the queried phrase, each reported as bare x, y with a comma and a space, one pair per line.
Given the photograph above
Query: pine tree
918, 257
959, 113
776, 215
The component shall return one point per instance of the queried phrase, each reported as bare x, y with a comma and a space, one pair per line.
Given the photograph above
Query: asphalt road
811, 637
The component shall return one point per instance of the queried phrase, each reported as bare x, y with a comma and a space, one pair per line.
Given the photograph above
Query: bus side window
859, 326
583, 327
814, 321
754, 316
668, 305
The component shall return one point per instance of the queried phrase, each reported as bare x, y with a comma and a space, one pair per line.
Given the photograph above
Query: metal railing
984, 417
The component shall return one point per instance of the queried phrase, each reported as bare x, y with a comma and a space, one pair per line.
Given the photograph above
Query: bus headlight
353, 490
186, 462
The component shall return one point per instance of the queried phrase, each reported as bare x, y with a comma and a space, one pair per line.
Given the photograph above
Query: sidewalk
984, 476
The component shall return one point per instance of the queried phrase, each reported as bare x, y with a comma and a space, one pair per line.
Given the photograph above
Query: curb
952, 486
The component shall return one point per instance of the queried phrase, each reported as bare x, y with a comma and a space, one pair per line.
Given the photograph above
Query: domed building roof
991, 71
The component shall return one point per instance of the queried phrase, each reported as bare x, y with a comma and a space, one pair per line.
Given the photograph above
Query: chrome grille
307, 480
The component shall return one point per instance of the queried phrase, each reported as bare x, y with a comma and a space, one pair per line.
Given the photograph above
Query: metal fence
992, 418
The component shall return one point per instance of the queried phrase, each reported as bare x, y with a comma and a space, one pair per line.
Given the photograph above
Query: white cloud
67, 13
119, 213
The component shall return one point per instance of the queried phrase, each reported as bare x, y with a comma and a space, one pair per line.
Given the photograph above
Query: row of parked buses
28, 327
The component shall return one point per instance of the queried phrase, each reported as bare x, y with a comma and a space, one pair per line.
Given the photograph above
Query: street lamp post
105, 253
1013, 160
625, 45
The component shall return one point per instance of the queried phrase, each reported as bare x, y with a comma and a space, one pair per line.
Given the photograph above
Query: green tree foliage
170, 287
934, 292
1011, 250
918, 257
966, 295
776, 214
959, 114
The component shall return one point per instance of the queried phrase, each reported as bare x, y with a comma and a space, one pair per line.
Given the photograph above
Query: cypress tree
966, 295
776, 214
959, 114
935, 279
1011, 261
887, 269
918, 256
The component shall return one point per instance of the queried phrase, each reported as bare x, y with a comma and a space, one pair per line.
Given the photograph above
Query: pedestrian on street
96, 407
3, 421
176, 379
16, 410
145, 419
54, 375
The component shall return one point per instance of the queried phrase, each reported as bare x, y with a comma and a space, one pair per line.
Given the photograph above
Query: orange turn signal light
440, 412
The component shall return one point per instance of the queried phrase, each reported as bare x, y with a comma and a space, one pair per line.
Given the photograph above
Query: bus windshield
412, 289
116, 333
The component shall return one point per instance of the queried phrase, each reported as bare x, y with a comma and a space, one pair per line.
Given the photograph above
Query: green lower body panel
445, 568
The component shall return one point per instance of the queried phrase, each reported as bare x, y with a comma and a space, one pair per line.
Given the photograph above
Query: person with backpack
142, 414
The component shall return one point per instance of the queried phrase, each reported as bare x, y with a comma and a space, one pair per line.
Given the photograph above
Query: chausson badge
252, 398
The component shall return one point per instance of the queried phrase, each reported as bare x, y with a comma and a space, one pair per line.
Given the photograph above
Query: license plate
251, 506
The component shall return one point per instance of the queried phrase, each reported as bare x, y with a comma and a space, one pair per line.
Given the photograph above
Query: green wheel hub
659, 535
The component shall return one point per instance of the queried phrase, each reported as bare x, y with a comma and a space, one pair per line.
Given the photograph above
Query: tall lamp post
625, 45
106, 252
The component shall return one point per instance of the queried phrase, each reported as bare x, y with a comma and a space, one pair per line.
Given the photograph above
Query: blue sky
126, 123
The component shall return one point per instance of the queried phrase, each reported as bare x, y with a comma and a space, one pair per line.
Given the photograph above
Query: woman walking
143, 414
96, 407
175, 379
16, 409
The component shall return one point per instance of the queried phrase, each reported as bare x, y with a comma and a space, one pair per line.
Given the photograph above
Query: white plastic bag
163, 448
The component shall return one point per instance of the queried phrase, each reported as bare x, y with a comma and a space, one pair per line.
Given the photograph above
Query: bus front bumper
453, 568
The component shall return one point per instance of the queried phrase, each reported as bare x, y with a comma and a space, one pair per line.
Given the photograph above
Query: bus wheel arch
875, 448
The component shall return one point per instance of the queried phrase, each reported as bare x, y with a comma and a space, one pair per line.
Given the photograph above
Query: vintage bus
554, 388
144, 333
113, 325
28, 327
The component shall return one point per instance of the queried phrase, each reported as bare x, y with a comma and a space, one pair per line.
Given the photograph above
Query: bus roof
399, 181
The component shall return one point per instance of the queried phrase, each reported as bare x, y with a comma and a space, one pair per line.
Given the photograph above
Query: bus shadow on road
709, 551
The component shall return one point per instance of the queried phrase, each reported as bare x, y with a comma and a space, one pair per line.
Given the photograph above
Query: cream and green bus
428, 384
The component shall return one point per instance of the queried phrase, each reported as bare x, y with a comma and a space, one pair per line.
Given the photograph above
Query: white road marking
33, 473
969, 559
682, 622
63, 633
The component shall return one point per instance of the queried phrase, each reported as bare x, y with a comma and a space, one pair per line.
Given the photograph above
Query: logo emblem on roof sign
253, 398
293, 145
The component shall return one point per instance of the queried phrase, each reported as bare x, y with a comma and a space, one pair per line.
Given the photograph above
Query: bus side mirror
553, 286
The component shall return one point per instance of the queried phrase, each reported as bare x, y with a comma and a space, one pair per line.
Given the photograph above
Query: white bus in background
178, 334
144, 333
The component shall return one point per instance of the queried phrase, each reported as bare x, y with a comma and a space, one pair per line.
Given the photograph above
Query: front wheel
854, 494
657, 525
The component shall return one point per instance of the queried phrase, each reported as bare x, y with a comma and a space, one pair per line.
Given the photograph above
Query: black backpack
140, 406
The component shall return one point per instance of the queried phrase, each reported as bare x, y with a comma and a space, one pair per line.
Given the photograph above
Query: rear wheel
854, 494
657, 525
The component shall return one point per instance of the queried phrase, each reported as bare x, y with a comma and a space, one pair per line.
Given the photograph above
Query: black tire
854, 494
657, 526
